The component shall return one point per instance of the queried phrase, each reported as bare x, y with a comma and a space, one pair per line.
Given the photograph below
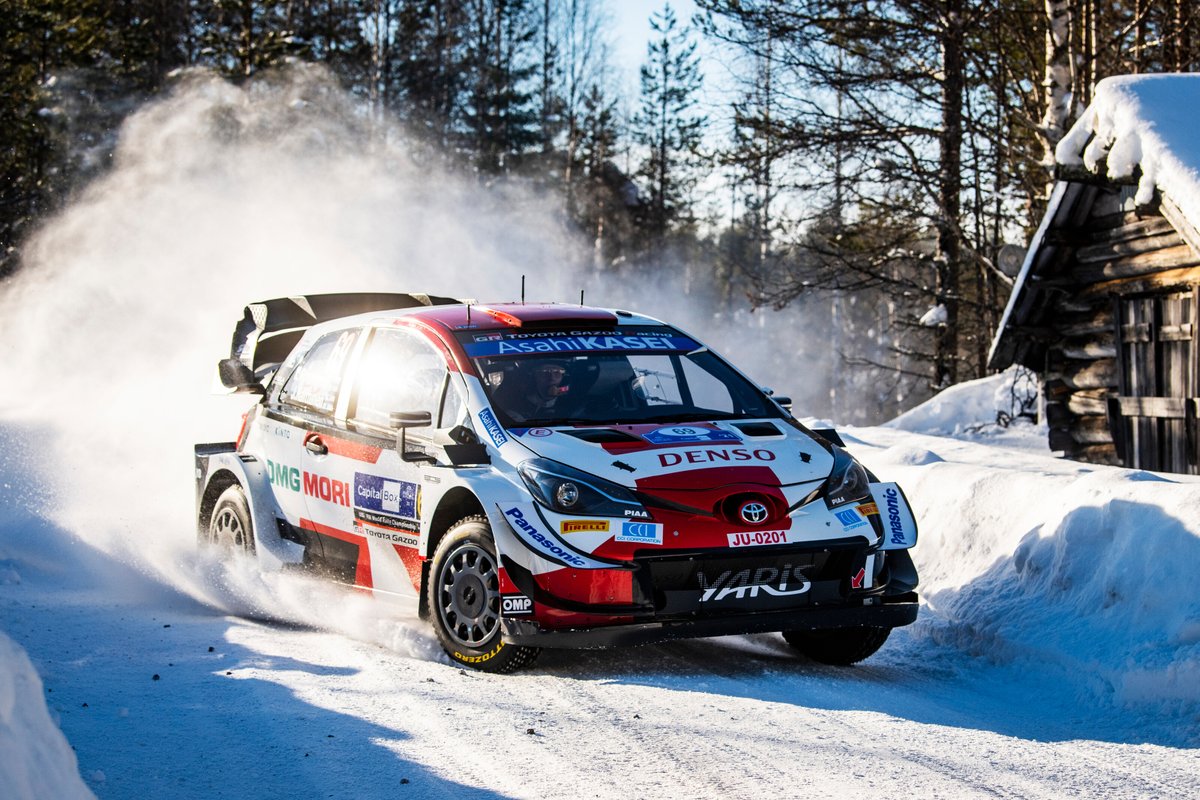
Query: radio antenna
468, 313
581, 297
522, 290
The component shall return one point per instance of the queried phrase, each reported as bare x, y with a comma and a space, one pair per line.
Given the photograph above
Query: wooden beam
1134, 266
1126, 227
1156, 407
1098, 374
1187, 276
1101, 253
1187, 230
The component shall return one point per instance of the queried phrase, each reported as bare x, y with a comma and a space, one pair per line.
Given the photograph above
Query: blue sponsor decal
849, 518
581, 344
680, 434
391, 503
492, 426
895, 526
641, 532
547, 543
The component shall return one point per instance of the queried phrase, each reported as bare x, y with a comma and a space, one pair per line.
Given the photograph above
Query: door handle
314, 445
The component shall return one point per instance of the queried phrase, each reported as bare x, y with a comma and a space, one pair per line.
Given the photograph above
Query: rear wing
269, 329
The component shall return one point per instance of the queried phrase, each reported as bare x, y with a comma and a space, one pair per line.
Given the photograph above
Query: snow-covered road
351, 702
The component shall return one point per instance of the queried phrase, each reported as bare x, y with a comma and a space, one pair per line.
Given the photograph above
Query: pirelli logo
584, 526
868, 508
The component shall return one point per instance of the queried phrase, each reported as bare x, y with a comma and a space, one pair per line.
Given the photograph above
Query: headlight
569, 491
848, 481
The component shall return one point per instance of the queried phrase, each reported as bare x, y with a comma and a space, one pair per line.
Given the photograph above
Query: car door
303, 418
400, 371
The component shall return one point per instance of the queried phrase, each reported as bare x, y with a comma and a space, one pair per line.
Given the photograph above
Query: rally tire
463, 593
231, 528
840, 647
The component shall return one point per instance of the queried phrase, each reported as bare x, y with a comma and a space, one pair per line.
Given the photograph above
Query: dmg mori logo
753, 512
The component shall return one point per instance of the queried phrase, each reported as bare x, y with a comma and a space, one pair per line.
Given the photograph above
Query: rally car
547, 475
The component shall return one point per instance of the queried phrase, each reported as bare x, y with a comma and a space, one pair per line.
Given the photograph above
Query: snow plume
220, 195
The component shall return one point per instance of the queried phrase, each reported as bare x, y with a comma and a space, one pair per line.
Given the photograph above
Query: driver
542, 394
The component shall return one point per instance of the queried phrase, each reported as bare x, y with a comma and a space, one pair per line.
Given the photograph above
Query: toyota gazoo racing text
548, 476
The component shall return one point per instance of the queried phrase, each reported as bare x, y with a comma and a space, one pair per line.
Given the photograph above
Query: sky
632, 33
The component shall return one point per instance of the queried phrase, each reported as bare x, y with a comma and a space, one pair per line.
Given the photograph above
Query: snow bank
35, 759
1146, 122
973, 406
1087, 570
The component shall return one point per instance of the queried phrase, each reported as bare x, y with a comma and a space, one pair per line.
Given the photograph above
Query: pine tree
668, 126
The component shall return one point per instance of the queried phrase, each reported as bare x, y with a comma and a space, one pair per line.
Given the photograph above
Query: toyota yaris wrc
535, 476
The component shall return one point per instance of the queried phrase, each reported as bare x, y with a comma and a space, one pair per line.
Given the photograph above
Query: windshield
644, 375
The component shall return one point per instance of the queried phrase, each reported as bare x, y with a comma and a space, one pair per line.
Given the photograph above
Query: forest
883, 161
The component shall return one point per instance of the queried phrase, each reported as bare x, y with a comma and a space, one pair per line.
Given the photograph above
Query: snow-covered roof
1138, 127
1147, 122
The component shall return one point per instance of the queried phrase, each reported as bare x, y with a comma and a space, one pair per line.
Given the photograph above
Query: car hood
690, 456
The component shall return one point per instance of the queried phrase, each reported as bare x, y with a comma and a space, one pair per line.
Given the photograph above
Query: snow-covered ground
1057, 654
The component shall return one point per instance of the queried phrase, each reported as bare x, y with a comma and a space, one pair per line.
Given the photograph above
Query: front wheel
464, 597
840, 647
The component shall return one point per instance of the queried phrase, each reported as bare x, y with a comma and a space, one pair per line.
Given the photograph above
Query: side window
400, 372
708, 391
314, 383
454, 410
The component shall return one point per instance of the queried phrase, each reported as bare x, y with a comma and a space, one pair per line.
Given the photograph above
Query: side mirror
466, 449
234, 374
402, 421
784, 402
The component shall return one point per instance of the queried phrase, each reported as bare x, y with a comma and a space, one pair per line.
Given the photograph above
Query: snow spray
220, 195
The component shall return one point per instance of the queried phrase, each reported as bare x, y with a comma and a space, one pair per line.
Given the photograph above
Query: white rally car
537, 476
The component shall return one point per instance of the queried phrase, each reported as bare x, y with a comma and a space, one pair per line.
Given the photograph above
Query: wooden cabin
1105, 308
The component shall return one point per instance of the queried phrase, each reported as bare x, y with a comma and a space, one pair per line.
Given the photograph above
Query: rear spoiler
269, 329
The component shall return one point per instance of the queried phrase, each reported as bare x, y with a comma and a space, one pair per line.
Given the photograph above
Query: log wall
1112, 253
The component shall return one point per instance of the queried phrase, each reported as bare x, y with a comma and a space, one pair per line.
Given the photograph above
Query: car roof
497, 316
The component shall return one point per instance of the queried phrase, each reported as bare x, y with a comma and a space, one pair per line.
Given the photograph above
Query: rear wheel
231, 528
464, 600
839, 647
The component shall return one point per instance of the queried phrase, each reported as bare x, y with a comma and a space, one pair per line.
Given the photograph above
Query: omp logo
584, 526
283, 476
893, 506
742, 584
493, 427
717, 454
516, 605
518, 521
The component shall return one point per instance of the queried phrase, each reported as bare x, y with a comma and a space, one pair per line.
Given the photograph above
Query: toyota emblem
753, 513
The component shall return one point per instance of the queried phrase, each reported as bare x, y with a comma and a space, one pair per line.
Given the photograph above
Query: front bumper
880, 612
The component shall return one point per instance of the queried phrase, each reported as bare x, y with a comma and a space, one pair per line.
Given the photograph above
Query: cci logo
641, 532
753, 512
